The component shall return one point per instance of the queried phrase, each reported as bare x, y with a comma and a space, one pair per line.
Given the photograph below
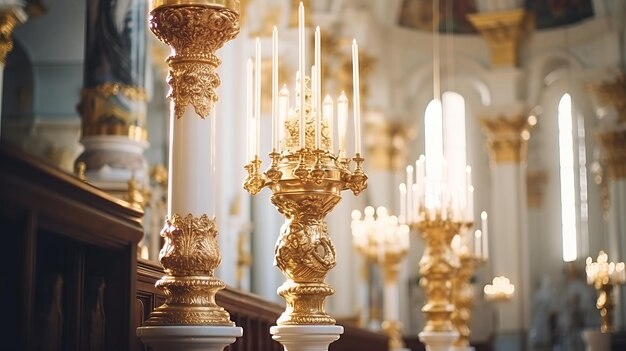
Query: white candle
301, 58
484, 224
470, 203
275, 125
477, 243
356, 98
257, 96
414, 201
402, 188
328, 115
409, 197
342, 122
283, 110
469, 210
318, 76
318, 120
420, 181
249, 110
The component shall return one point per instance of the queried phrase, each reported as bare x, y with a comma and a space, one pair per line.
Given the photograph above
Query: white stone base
438, 341
596, 340
306, 337
188, 338
468, 348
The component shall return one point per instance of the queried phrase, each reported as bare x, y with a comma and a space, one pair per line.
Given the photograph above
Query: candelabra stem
605, 305
305, 255
437, 267
463, 298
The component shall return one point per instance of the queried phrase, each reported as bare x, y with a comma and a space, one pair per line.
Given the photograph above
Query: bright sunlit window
567, 174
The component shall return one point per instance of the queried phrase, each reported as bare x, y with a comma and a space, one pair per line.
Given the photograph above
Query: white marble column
509, 255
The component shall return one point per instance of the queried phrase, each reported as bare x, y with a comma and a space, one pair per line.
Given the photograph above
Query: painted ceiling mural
418, 14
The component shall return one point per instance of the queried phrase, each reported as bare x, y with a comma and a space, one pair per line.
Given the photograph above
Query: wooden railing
255, 314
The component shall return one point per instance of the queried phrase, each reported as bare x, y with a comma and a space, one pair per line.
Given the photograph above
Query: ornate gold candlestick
306, 185
463, 297
604, 276
437, 269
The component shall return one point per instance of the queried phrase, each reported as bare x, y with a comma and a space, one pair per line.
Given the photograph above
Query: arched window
573, 180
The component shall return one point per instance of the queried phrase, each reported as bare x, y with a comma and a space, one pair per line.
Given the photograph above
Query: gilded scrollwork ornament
189, 257
194, 32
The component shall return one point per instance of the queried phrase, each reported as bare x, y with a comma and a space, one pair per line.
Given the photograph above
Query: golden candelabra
306, 185
195, 30
306, 178
604, 276
463, 296
437, 268
384, 241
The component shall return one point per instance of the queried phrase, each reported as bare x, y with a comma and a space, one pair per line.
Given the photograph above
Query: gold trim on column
506, 138
103, 116
189, 257
613, 93
393, 329
195, 30
9, 19
614, 156
535, 184
503, 31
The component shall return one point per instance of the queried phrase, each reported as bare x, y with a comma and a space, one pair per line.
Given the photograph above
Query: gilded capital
614, 153
503, 31
9, 19
612, 93
195, 30
386, 143
506, 138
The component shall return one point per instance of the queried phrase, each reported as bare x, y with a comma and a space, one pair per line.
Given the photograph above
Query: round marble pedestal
306, 337
438, 341
188, 338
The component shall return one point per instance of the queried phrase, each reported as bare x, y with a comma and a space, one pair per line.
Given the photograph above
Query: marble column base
464, 348
306, 337
438, 341
188, 338
596, 340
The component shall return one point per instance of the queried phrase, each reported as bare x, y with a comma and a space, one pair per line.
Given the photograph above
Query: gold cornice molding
503, 31
535, 185
614, 155
612, 93
195, 30
9, 19
506, 138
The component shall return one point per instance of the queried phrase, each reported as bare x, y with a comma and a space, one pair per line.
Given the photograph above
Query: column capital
10, 18
503, 31
614, 156
507, 137
612, 93
195, 30
386, 142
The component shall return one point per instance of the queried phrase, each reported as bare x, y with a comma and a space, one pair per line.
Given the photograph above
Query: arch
547, 68
18, 85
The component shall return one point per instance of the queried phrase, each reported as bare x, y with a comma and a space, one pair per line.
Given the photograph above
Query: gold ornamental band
232, 5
